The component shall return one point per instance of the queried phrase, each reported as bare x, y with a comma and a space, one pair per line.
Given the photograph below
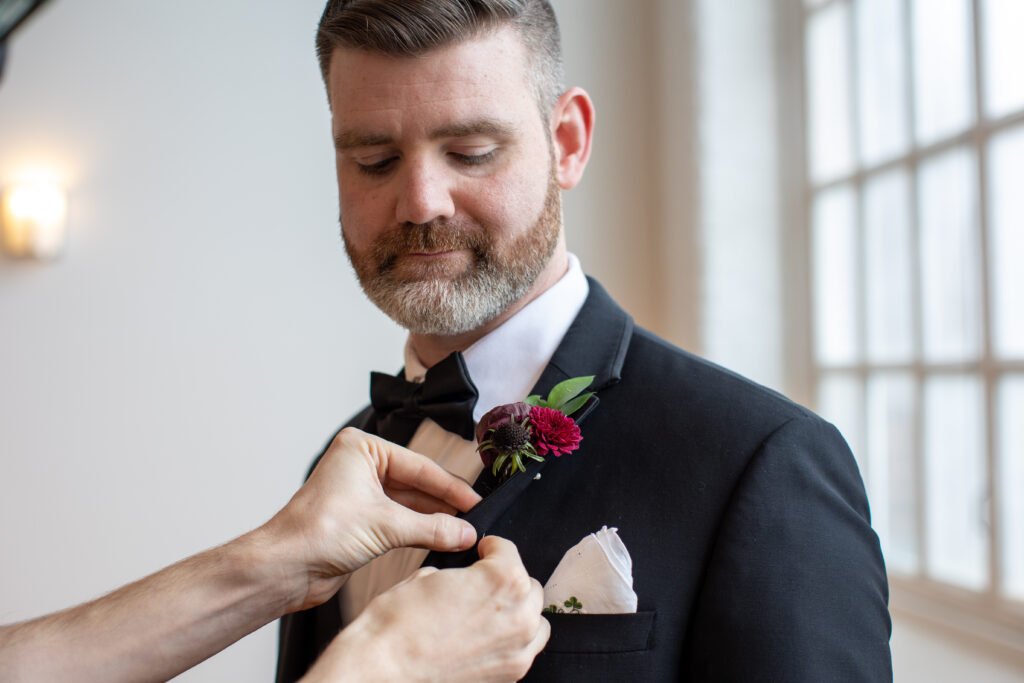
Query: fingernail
468, 536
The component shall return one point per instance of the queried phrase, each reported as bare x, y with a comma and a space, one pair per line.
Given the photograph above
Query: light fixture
34, 220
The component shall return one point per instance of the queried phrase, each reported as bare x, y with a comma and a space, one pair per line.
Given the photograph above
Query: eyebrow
350, 139
491, 127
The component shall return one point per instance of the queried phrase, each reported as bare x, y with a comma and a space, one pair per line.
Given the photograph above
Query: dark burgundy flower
554, 433
496, 417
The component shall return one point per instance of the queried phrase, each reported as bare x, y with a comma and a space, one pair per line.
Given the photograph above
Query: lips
434, 245
428, 254
419, 264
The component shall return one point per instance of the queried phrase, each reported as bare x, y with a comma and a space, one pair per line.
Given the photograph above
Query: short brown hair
407, 28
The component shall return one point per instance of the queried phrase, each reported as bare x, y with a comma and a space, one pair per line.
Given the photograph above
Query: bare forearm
338, 521
357, 655
158, 627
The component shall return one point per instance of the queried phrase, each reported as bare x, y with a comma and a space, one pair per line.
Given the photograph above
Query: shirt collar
506, 363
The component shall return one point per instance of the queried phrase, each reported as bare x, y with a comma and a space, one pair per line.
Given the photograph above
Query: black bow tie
447, 396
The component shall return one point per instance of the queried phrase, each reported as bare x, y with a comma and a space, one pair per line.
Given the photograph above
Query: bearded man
742, 514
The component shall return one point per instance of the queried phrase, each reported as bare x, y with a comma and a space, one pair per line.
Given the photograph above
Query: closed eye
378, 168
474, 159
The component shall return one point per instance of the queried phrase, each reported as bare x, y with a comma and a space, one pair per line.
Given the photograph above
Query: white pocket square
594, 577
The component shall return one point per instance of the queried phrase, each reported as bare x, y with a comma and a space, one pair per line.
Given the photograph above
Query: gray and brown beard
438, 303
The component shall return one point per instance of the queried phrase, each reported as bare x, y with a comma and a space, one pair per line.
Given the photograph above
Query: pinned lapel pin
511, 435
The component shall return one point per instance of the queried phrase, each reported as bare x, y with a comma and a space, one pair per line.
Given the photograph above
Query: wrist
265, 557
359, 654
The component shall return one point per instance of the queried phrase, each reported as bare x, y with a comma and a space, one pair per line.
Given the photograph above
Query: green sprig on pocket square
572, 604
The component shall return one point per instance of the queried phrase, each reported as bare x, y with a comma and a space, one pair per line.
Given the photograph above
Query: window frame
987, 617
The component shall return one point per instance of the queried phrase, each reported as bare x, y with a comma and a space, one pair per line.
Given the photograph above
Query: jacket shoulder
673, 378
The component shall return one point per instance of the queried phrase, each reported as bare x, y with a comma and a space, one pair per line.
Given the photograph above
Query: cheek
362, 216
511, 204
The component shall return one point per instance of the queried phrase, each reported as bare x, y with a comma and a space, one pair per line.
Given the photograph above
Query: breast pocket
599, 633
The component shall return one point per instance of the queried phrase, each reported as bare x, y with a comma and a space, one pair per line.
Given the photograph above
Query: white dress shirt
504, 365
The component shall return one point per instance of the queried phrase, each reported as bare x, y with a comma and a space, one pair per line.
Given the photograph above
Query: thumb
438, 531
498, 549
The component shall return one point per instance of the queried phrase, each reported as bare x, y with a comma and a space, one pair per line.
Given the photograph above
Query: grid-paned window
915, 201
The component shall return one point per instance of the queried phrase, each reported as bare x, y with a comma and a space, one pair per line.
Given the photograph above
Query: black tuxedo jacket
745, 516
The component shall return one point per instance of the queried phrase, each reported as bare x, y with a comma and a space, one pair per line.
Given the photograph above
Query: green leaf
563, 392
534, 400
576, 403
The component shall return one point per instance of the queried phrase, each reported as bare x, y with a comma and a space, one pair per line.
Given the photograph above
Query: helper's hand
482, 623
366, 497
343, 517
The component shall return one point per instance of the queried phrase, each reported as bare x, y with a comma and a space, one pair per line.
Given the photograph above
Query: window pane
882, 81
835, 277
888, 267
1003, 24
955, 481
893, 483
942, 67
841, 402
949, 257
1006, 177
828, 93
1011, 478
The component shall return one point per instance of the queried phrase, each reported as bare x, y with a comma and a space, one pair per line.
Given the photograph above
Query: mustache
435, 236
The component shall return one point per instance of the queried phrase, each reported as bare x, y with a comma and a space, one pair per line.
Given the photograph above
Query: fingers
467, 625
411, 469
524, 630
498, 549
535, 599
540, 639
419, 501
438, 531
501, 559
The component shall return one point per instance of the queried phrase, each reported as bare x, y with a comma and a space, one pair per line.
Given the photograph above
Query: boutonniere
532, 429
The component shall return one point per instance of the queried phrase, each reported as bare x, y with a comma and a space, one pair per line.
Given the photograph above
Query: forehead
482, 76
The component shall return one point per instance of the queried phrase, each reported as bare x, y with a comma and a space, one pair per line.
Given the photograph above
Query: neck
432, 349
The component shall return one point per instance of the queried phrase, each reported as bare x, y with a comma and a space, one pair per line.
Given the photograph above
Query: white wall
612, 218
165, 385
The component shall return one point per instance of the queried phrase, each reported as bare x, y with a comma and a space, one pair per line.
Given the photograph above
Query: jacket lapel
595, 344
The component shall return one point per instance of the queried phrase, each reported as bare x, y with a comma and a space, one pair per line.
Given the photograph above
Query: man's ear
572, 129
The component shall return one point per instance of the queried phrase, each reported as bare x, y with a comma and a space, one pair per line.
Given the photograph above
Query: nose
424, 194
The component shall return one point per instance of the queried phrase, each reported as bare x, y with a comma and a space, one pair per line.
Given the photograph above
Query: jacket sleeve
795, 589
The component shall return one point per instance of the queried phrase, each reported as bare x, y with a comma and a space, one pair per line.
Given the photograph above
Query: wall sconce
34, 220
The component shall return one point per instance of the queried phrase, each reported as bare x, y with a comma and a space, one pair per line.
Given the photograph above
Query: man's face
448, 203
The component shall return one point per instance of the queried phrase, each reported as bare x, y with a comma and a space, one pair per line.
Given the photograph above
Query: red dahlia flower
554, 433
